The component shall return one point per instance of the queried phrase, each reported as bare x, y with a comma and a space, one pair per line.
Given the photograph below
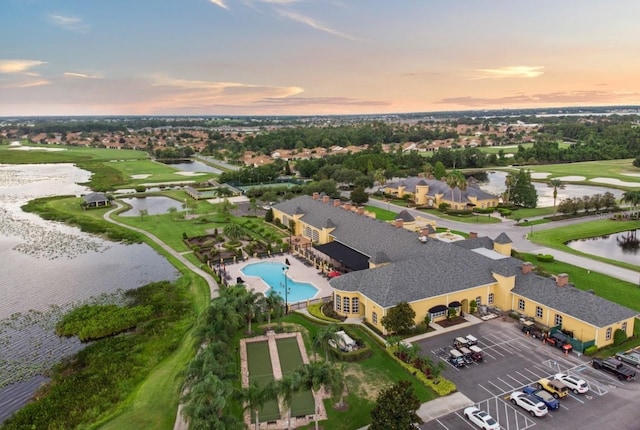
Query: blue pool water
273, 275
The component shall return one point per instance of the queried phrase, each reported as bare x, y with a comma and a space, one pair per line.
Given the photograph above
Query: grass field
290, 356
70, 154
557, 237
157, 172
614, 169
261, 372
382, 214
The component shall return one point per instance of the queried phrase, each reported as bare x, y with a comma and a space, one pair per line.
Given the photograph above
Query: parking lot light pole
286, 292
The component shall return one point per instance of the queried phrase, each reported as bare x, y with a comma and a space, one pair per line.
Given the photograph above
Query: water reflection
624, 246
46, 268
493, 182
154, 205
194, 166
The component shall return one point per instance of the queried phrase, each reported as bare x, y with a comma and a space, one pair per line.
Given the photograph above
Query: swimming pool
272, 275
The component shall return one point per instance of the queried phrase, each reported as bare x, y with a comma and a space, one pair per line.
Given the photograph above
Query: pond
48, 267
624, 246
154, 205
493, 182
194, 166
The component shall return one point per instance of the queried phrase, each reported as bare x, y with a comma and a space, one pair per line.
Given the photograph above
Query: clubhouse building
433, 192
384, 264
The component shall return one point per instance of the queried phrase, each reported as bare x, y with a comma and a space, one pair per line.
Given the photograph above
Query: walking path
213, 285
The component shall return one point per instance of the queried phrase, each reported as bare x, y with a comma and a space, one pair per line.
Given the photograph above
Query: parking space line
486, 389
524, 376
505, 382
447, 361
573, 396
463, 418
535, 374
438, 421
501, 390
563, 406
517, 381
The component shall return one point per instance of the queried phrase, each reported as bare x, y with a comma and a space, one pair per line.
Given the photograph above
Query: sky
314, 57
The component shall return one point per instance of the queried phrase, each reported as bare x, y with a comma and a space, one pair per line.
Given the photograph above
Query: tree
323, 338
556, 184
399, 318
143, 213
509, 182
396, 408
287, 387
455, 179
380, 178
315, 375
631, 197
273, 305
253, 205
224, 208
524, 193
439, 171
359, 196
254, 398
233, 231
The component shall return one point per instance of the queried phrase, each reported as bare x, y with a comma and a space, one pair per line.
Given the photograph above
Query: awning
438, 308
455, 304
348, 257
334, 273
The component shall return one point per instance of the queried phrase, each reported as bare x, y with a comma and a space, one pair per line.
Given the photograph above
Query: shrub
545, 258
619, 336
443, 207
140, 189
590, 350
483, 210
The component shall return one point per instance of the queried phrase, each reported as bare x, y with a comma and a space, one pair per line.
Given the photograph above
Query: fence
304, 303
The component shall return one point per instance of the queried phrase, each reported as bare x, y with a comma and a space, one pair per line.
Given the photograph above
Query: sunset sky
298, 57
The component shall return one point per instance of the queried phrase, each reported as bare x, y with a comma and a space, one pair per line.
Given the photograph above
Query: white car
577, 385
481, 418
529, 403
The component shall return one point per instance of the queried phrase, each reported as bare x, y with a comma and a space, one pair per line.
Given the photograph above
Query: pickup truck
616, 368
630, 357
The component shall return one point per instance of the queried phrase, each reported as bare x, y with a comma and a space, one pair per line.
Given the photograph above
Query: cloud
70, 23
80, 75
314, 101
18, 66
313, 24
508, 72
219, 3
556, 98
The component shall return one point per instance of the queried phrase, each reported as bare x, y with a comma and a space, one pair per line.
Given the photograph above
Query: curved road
213, 285
518, 235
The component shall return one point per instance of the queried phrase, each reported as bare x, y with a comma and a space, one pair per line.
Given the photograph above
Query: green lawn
592, 169
615, 290
158, 172
471, 218
524, 213
557, 237
382, 214
71, 154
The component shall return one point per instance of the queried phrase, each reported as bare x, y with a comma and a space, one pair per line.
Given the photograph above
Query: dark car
560, 340
544, 396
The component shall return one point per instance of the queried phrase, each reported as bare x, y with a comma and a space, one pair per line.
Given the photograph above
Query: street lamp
286, 291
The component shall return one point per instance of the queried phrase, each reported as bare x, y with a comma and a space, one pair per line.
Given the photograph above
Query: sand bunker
539, 175
571, 178
189, 173
636, 175
140, 176
612, 181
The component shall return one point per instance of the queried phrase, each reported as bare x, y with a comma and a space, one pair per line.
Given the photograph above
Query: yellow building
432, 193
389, 264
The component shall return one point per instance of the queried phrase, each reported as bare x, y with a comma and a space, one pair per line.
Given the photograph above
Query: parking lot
512, 361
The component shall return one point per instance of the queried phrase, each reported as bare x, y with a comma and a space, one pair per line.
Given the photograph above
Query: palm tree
254, 398
453, 180
318, 374
273, 304
631, 197
380, 178
462, 184
288, 386
324, 337
249, 304
205, 401
556, 184
233, 231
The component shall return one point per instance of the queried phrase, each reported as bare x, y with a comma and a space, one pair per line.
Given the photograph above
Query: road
518, 235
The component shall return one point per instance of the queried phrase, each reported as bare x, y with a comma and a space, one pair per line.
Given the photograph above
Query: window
338, 303
316, 236
285, 220
490, 299
558, 320
345, 305
374, 318
608, 336
478, 300
521, 304
307, 232
538, 312
624, 327
355, 305
439, 314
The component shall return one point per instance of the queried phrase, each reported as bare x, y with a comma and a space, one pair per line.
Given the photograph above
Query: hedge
443, 387
545, 258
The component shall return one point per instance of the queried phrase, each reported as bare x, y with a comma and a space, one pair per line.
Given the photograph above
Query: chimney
473, 235
562, 279
399, 223
325, 199
360, 210
527, 267
315, 196
347, 206
424, 232
336, 202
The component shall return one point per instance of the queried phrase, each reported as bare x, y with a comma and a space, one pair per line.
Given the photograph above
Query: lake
47, 267
622, 246
194, 166
494, 184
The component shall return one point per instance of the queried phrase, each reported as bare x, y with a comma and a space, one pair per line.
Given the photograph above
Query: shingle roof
441, 187
502, 238
405, 216
571, 300
95, 197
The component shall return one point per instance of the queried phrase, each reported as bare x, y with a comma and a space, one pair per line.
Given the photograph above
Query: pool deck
298, 271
